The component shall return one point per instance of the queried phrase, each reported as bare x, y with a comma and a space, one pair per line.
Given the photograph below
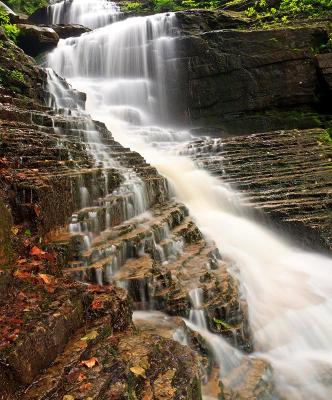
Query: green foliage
222, 324
326, 137
176, 5
26, 6
17, 75
132, 6
11, 30
288, 9
164, 5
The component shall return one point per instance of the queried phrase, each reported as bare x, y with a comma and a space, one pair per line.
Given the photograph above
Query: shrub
132, 6
290, 9
11, 30
26, 6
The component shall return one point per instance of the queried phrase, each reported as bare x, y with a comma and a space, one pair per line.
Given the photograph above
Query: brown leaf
22, 275
37, 210
21, 175
48, 279
90, 363
137, 370
81, 377
14, 230
85, 387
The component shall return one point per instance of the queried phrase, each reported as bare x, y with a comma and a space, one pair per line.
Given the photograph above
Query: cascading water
122, 69
90, 13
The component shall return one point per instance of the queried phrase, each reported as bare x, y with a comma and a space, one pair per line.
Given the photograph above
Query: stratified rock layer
286, 174
230, 78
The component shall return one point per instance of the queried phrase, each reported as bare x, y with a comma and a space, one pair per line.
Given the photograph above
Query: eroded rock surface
63, 338
285, 174
262, 79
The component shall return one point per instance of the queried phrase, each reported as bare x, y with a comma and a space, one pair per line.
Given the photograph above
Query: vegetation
176, 5
132, 6
326, 137
284, 10
11, 30
26, 6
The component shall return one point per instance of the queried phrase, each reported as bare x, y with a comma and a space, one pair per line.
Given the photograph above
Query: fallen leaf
137, 370
37, 210
36, 251
2, 271
14, 230
90, 336
90, 363
85, 386
97, 304
48, 279
81, 377
22, 275
21, 261
21, 175
68, 397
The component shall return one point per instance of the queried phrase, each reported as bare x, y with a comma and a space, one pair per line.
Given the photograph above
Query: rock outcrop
261, 79
285, 174
65, 339
37, 39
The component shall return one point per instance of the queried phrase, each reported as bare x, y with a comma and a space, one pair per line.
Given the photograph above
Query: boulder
37, 39
66, 31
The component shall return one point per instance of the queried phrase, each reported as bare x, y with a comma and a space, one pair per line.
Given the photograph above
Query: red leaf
36, 251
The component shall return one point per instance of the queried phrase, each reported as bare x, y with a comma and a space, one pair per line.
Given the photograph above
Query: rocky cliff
64, 339
261, 79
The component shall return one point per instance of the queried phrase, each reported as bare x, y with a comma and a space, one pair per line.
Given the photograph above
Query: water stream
123, 69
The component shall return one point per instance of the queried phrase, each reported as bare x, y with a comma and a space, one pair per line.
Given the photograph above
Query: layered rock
86, 331
254, 78
285, 174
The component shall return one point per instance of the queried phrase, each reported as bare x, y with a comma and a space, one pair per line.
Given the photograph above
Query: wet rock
36, 39
252, 380
66, 31
198, 21
325, 67
285, 174
232, 78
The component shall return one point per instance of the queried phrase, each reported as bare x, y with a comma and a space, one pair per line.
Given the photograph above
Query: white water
90, 13
289, 291
5, 7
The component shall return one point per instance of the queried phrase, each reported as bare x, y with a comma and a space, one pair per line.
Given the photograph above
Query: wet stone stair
284, 174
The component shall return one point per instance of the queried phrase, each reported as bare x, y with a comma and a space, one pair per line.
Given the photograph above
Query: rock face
233, 78
285, 174
36, 39
65, 339
325, 66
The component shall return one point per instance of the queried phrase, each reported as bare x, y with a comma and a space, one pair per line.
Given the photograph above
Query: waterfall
123, 68
90, 13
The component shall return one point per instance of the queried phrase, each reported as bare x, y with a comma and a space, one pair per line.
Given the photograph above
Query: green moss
326, 136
